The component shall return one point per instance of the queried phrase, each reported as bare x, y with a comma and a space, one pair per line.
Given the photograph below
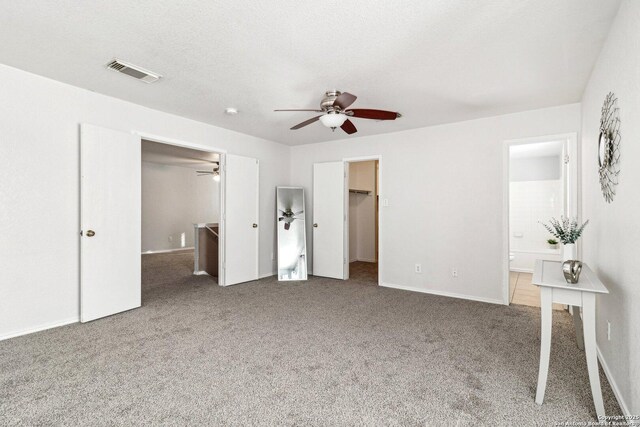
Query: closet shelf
352, 190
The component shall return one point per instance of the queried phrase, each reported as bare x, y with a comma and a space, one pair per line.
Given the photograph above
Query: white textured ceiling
434, 61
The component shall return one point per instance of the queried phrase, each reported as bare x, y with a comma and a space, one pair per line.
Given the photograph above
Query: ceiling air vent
133, 71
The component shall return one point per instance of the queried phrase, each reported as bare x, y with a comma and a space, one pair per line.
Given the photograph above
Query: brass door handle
255, 225
91, 233
315, 225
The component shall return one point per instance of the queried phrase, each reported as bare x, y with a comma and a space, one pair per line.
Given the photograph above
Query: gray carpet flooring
322, 352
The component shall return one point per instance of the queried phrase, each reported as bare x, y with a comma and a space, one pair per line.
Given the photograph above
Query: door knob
91, 233
255, 225
315, 225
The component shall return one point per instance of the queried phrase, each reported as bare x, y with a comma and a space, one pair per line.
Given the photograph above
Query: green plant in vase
568, 231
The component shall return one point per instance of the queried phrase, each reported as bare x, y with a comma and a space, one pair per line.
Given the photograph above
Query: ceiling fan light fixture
333, 120
216, 176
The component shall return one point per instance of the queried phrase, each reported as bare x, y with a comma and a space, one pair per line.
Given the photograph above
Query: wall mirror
609, 147
292, 240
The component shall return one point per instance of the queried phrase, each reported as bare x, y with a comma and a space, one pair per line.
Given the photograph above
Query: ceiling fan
334, 107
215, 172
288, 217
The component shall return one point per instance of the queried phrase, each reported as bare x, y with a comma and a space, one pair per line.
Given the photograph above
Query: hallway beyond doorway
522, 292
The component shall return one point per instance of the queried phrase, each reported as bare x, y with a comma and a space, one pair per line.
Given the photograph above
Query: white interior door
241, 219
329, 220
110, 245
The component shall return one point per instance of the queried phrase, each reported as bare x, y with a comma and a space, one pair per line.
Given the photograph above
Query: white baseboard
39, 328
366, 260
441, 293
201, 273
614, 387
265, 275
166, 251
521, 270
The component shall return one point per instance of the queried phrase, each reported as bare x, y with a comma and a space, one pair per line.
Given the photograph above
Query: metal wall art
609, 147
292, 238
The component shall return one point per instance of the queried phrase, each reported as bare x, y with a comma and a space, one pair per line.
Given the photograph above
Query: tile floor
522, 292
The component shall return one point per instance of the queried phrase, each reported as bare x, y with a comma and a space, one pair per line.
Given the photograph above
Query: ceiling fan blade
349, 127
306, 122
298, 213
344, 100
281, 219
365, 113
317, 111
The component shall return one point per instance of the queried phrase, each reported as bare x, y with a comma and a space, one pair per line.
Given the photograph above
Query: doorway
540, 184
111, 226
342, 239
363, 221
181, 211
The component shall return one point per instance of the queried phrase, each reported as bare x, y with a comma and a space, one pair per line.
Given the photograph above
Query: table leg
589, 320
546, 309
577, 322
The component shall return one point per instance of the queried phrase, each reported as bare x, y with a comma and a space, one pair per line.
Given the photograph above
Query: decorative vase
569, 252
571, 270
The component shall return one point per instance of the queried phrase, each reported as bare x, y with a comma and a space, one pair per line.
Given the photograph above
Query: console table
554, 288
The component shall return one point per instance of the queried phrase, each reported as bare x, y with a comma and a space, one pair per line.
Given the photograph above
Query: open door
110, 191
241, 219
329, 220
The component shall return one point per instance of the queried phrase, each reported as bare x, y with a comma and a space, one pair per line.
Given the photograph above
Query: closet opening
363, 221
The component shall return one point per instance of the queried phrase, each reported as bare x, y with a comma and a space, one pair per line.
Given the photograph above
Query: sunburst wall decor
609, 147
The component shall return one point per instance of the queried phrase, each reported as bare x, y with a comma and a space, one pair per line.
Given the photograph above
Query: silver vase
571, 270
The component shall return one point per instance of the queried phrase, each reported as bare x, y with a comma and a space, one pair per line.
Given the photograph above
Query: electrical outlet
418, 268
454, 272
385, 202
171, 238
608, 331
271, 256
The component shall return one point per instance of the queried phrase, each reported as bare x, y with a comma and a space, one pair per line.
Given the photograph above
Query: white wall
173, 198
353, 228
444, 186
535, 196
362, 212
533, 202
39, 184
530, 203
611, 242
535, 168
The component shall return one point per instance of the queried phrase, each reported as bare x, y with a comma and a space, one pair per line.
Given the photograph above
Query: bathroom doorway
541, 183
